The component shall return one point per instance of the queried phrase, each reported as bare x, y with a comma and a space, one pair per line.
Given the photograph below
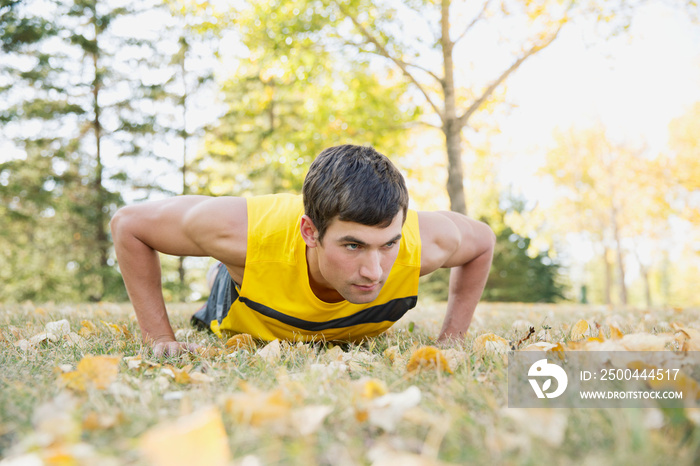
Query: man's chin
362, 298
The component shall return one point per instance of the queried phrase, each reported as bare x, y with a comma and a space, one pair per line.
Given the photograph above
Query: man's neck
319, 286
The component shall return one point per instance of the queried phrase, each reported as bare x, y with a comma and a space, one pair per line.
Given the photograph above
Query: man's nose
372, 267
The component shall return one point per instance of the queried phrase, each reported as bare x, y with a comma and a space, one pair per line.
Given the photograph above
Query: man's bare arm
452, 240
183, 226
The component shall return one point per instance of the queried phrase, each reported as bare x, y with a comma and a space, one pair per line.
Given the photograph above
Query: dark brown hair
356, 184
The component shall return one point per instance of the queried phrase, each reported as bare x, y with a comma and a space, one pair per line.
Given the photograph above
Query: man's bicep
450, 239
219, 228
475, 238
180, 226
158, 225
439, 239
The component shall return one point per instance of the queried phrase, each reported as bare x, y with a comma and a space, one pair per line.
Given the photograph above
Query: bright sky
634, 84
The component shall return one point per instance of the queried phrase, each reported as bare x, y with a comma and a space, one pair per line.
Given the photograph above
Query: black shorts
223, 293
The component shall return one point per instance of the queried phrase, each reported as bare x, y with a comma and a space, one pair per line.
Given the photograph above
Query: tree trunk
450, 124
647, 287
608, 277
455, 172
619, 256
100, 201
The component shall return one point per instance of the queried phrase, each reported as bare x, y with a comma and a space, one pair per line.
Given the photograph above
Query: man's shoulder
270, 202
274, 211
439, 238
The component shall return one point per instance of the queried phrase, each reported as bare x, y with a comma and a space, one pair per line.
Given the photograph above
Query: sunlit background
576, 125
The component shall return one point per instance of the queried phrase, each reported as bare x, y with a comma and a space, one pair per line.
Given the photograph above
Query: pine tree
72, 104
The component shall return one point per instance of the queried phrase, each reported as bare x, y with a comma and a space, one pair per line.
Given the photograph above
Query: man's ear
309, 232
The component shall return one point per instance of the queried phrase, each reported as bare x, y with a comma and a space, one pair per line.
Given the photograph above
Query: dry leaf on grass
373, 388
393, 354
272, 352
540, 346
615, 333
118, 330
242, 341
92, 372
455, 357
198, 438
256, 407
136, 362
579, 330
185, 375
275, 410
58, 328
94, 421
331, 370
428, 357
308, 420
43, 337
490, 343
336, 354
73, 339
645, 342
386, 411
87, 328
688, 338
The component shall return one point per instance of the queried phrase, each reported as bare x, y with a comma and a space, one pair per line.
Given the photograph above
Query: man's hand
173, 348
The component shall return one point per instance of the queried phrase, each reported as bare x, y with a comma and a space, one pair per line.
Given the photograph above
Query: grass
461, 417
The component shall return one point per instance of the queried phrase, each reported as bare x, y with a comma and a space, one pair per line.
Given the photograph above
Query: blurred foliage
73, 96
289, 98
517, 274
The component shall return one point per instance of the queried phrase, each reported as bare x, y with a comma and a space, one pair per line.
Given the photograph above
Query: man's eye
391, 244
352, 247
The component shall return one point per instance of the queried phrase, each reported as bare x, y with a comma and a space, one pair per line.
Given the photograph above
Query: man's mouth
370, 287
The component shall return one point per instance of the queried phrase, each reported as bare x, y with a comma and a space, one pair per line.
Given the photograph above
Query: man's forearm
140, 268
467, 283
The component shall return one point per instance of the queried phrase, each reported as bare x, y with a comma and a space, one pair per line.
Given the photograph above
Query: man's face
356, 259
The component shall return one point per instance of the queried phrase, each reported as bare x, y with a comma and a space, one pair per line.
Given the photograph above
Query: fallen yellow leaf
374, 388
490, 342
209, 351
615, 333
645, 341
386, 411
272, 352
428, 357
181, 376
255, 407
393, 353
101, 421
87, 328
689, 338
309, 419
198, 438
92, 372
242, 341
579, 329
118, 330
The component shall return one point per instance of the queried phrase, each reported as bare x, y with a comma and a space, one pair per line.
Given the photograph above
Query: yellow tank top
275, 299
